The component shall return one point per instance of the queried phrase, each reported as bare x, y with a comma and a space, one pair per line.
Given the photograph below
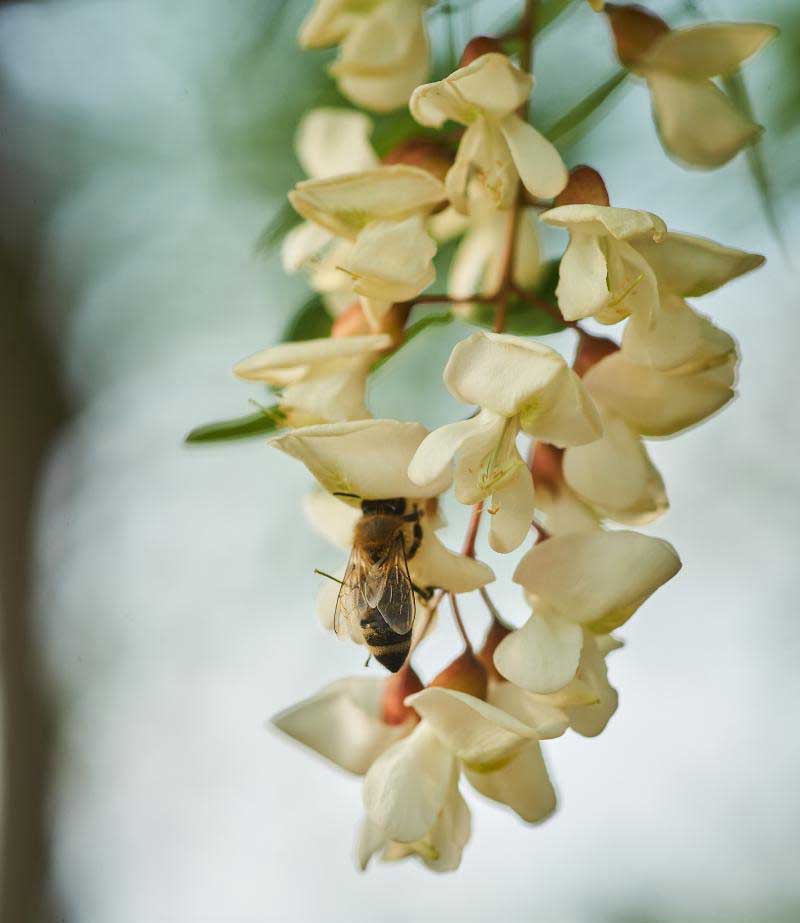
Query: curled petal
543, 655
619, 223
481, 735
438, 449
598, 579
406, 787
546, 719
697, 122
590, 719
708, 50
512, 510
435, 565
279, 365
343, 723
564, 414
331, 141
523, 784
538, 163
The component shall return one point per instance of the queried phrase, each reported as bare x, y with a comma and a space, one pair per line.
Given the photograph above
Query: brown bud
591, 350
465, 674
494, 636
430, 155
351, 322
635, 30
479, 46
585, 187
546, 465
397, 687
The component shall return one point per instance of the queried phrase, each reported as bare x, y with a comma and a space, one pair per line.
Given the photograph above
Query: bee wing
350, 603
392, 590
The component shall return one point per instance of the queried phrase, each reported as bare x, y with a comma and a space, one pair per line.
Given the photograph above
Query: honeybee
377, 594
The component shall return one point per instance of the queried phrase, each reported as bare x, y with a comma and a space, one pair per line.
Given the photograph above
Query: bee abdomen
388, 647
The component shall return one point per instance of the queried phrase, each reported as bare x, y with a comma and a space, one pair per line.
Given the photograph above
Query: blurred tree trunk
31, 410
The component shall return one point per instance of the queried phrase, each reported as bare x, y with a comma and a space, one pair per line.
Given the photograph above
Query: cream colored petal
371, 839
331, 141
708, 50
392, 260
523, 785
632, 284
346, 204
432, 104
620, 223
615, 475
327, 23
543, 655
563, 414
692, 266
483, 161
678, 338
342, 723
459, 176
500, 372
561, 511
333, 392
697, 122
487, 460
582, 289
492, 84
271, 364
437, 450
538, 163
448, 224
512, 511
660, 403
483, 736
302, 244
368, 458
469, 273
435, 565
589, 720
545, 719
528, 263
406, 787
330, 518
598, 579
385, 90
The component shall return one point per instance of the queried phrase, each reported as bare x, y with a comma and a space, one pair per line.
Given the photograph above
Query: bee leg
425, 594
366, 662
417, 533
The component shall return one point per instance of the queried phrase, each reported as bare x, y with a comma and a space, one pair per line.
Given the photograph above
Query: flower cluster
551, 450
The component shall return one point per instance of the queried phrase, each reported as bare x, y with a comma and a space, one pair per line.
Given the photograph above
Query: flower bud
635, 30
591, 350
546, 465
494, 636
351, 322
465, 674
585, 187
479, 46
426, 153
397, 687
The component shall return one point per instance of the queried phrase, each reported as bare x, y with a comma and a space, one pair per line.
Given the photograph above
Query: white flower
697, 122
384, 49
328, 142
344, 723
518, 384
321, 380
381, 211
498, 148
591, 580
369, 459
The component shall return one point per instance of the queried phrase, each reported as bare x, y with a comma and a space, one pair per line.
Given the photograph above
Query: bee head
393, 507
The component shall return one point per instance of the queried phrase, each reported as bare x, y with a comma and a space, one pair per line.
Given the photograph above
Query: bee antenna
323, 574
339, 493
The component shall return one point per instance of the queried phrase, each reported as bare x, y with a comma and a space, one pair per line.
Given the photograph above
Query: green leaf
737, 90
414, 330
284, 219
311, 321
266, 420
575, 123
549, 11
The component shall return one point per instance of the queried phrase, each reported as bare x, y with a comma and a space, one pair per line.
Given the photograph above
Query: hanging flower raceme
383, 48
329, 142
697, 122
518, 385
618, 261
580, 582
321, 381
383, 213
498, 148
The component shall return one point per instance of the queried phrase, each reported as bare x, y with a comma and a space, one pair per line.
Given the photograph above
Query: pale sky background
175, 603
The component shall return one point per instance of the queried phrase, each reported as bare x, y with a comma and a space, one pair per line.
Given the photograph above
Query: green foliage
414, 330
264, 421
580, 118
284, 219
310, 321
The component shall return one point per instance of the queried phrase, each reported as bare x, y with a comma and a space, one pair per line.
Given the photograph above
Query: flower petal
438, 449
589, 720
302, 244
598, 579
697, 122
272, 364
512, 511
483, 736
492, 84
538, 163
620, 223
546, 719
689, 265
543, 655
561, 511
708, 50
582, 289
332, 140
564, 414
368, 458
614, 474
331, 518
523, 785
406, 787
342, 723
435, 565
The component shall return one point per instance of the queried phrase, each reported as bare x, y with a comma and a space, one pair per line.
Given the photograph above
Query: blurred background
157, 601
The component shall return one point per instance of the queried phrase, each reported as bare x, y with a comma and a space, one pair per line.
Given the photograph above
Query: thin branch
472, 531
459, 623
